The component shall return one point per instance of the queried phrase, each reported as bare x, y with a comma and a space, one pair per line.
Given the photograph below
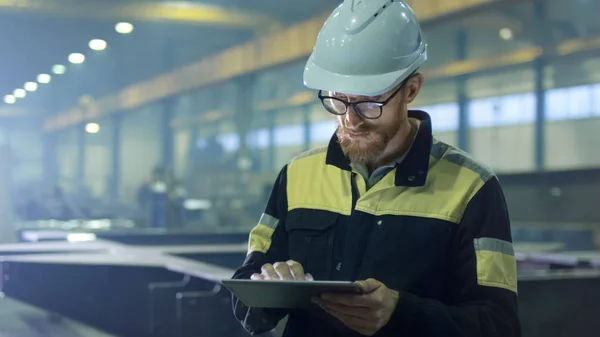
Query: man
420, 226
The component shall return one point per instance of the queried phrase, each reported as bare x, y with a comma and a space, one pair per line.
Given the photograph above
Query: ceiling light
97, 44
31, 86
92, 128
59, 69
44, 78
124, 27
20, 93
10, 99
506, 34
76, 58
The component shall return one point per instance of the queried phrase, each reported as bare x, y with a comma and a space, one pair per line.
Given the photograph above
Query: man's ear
413, 87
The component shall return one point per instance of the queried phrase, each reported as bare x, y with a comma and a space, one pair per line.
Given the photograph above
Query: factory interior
140, 141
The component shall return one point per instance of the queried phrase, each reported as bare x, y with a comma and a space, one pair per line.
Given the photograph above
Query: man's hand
366, 313
290, 270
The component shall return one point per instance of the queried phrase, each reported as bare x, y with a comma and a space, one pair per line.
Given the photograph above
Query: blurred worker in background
177, 195
419, 225
153, 198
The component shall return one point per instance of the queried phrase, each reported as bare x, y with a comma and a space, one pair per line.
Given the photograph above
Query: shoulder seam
309, 153
485, 172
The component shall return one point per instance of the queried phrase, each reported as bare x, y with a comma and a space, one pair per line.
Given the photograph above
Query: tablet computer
285, 294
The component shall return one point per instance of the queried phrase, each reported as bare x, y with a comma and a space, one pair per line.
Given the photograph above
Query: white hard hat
366, 47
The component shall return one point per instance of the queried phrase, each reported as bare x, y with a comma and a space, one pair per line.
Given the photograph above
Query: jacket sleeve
482, 279
267, 243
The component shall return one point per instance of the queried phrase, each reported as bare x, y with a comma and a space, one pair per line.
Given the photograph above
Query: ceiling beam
284, 46
167, 11
16, 112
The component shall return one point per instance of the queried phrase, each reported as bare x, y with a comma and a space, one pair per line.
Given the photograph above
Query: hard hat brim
318, 78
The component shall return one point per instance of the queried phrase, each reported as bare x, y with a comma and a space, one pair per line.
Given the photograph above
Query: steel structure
287, 45
167, 11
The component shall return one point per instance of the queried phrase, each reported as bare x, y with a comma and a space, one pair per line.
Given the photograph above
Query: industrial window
596, 100
481, 112
230, 141
321, 132
258, 139
289, 135
502, 111
201, 143
556, 104
517, 109
569, 103
444, 117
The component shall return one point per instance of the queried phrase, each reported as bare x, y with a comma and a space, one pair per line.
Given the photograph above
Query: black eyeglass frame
354, 104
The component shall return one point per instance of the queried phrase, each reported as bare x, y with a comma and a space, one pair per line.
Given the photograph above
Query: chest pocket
311, 241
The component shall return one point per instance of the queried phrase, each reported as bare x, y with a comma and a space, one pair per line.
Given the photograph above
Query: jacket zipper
349, 230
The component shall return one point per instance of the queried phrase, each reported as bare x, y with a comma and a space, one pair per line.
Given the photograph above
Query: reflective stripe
494, 245
260, 236
260, 239
496, 263
269, 221
458, 157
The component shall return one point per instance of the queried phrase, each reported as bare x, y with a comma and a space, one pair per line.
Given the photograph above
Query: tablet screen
285, 294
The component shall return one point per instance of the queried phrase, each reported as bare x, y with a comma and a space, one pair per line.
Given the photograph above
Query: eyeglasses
365, 109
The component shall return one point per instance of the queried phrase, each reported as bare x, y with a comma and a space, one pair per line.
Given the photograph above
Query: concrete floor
20, 320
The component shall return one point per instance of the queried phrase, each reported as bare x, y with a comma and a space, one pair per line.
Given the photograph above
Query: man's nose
352, 118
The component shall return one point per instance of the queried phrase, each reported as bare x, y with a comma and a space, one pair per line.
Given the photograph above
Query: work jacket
435, 228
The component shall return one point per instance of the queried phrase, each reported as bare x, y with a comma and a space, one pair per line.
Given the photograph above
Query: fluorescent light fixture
59, 69
20, 93
10, 99
124, 28
97, 44
92, 128
31, 86
44, 78
506, 34
76, 58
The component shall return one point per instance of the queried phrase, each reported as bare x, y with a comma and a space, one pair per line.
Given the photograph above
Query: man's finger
348, 300
358, 324
283, 270
269, 272
351, 312
296, 269
257, 277
309, 277
369, 286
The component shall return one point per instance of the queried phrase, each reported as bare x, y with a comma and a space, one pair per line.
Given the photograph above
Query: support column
540, 91
461, 94
166, 131
167, 107
192, 159
50, 158
540, 114
7, 230
306, 123
271, 149
243, 114
115, 144
80, 169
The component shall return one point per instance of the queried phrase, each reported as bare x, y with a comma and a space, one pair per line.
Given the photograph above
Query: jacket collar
412, 171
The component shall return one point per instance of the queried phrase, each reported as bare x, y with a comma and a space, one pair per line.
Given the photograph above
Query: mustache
359, 129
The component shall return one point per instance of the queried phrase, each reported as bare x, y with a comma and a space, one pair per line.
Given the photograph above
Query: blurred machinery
171, 289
